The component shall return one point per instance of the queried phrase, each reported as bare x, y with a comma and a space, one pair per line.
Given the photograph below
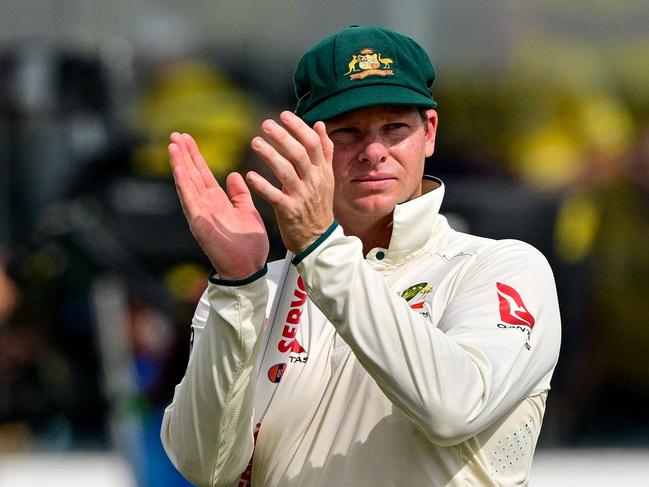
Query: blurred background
544, 137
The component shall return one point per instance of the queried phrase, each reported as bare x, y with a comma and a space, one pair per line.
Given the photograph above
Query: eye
344, 135
396, 130
395, 125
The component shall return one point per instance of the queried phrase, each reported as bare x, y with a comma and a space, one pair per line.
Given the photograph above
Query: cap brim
366, 96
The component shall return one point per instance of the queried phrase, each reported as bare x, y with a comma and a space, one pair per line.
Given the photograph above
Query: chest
319, 400
300, 340
326, 410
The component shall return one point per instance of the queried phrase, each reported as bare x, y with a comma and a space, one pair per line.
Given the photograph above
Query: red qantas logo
512, 308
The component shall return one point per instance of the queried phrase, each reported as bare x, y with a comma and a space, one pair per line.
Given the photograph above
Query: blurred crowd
99, 274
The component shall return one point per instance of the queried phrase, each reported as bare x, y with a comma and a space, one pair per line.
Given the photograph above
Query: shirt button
380, 255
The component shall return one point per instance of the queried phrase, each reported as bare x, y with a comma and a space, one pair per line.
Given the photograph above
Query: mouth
374, 181
368, 178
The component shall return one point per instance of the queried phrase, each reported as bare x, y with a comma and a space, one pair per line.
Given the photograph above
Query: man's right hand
228, 227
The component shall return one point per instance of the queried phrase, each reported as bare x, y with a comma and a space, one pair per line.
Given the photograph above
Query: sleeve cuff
214, 279
305, 253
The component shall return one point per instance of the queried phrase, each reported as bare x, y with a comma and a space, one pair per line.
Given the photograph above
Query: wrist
215, 277
236, 268
299, 256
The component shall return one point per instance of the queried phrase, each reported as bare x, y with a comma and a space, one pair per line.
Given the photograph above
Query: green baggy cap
362, 66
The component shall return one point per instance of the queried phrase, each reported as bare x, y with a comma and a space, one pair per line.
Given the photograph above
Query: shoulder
515, 253
488, 249
489, 259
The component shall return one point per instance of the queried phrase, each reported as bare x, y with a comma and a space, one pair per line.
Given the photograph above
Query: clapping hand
301, 159
226, 224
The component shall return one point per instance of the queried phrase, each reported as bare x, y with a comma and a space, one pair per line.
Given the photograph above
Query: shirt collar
413, 221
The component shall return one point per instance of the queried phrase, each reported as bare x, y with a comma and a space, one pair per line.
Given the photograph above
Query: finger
190, 167
187, 193
199, 162
275, 197
287, 146
175, 154
238, 191
326, 143
305, 135
179, 169
204, 182
283, 170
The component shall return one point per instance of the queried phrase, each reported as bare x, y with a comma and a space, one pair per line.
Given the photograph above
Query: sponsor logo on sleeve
288, 343
276, 371
512, 308
513, 312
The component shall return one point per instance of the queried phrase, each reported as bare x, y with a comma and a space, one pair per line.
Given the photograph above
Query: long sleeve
207, 430
455, 374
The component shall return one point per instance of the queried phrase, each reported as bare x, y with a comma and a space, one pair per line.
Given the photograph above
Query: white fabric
445, 389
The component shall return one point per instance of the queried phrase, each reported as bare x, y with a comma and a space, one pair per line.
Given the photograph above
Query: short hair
423, 113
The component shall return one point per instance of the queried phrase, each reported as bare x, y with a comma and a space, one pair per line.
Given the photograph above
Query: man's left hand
301, 159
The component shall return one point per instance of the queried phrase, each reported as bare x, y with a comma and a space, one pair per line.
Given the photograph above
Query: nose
374, 151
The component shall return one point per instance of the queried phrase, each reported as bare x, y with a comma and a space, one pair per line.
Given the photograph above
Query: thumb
238, 191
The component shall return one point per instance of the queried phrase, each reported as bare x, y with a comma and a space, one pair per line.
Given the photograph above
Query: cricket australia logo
416, 295
369, 63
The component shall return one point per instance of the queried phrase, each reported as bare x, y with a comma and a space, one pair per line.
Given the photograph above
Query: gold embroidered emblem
370, 63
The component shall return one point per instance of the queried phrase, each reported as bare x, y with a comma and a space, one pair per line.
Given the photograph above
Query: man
396, 351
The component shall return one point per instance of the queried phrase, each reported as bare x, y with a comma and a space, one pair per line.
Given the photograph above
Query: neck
372, 232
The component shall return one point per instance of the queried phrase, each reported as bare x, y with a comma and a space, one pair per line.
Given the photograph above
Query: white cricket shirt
426, 363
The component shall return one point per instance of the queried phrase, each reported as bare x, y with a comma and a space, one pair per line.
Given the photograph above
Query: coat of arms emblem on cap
369, 63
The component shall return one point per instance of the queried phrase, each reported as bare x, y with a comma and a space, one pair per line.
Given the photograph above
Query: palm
227, 226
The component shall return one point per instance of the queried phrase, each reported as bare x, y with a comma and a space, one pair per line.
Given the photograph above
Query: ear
432, 131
